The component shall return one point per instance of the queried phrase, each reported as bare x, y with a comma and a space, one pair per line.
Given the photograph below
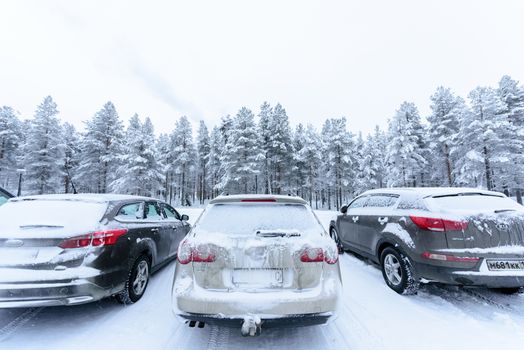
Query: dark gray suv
449, 235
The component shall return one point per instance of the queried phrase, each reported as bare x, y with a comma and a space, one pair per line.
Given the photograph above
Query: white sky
206, 59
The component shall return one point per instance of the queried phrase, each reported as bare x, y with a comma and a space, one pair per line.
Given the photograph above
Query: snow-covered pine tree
482, 144
264, 120
512, 96
43, 150
10, 142
214, 165
299, 166
339, 160
101, 151
404, 154
280, 150
71, 141
242, 156
446, 111
165, 155
138, 172
363, 173
311, 158
184, 155
203, 149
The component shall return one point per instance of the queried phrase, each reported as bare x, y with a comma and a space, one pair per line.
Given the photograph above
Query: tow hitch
251, 326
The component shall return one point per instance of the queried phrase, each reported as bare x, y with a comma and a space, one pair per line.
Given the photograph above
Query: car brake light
203, 253
438, 225
331, 255
453, 258
104, 238
96, 239
76, 242
312, 255
259, 200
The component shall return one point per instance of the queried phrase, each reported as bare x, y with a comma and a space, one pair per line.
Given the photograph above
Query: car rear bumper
479, 276
34, 288
194, 301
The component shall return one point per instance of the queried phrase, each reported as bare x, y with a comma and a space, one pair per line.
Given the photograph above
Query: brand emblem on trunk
13, 243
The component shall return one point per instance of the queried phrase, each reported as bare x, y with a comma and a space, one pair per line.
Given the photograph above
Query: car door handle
154, 230
383, 220
355, 218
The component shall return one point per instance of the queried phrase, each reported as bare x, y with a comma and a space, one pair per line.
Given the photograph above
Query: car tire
508, 291
334, 236
137, 281
397, 271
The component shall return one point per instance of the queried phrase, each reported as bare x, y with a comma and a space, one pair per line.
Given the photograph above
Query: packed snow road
371, 316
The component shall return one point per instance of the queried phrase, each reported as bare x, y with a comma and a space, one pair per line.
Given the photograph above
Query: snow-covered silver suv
253, 261
457, 236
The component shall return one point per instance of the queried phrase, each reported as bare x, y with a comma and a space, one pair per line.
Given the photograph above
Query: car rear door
375, 216
154, 222
175, 226
349, 222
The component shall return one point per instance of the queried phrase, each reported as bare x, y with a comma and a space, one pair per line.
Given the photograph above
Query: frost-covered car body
73, 249
450, 235
265, 258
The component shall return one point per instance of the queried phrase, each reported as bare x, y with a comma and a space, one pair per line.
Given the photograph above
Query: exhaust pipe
251, 326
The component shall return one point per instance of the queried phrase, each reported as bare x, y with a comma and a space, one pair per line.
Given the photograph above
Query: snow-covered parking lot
371, 316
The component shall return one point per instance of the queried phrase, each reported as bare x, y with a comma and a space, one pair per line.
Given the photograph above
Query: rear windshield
64, 213
248, 219
475, 202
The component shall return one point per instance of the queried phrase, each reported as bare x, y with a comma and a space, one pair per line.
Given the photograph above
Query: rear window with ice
475, 202
59, 213
248, 219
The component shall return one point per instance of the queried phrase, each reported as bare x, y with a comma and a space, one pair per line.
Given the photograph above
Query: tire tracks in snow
10, 328
218, 338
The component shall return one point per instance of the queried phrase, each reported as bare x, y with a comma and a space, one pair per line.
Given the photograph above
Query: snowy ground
371, 316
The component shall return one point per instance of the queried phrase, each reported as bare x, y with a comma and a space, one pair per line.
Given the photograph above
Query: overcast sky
206, 59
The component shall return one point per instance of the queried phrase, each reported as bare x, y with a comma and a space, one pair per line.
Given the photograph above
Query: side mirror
344, 209
184, 217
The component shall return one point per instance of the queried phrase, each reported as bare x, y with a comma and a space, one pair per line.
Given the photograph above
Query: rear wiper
39, 226
276, 234
503, 210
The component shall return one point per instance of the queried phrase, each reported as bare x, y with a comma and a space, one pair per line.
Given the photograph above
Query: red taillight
96, 239
444, 257
202, 253
312, 255
438, 225
76, 242
109, 237
259, 200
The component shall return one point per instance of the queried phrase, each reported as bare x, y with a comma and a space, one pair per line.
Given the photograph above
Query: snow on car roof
87, 197
432, 191
258, 198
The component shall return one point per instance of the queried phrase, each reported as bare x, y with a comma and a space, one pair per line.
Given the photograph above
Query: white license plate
258, 277
505, 265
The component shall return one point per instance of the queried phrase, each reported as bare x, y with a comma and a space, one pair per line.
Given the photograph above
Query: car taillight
312, 255
76, 242
259, 200
95, 239
202, 253
104, 238
331, 255
444, 257
438, 225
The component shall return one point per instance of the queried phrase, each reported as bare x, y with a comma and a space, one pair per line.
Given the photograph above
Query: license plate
505, 265
258, 277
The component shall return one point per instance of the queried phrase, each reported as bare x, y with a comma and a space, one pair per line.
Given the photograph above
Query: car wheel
398, 272
137, 281
334, 236
508, 291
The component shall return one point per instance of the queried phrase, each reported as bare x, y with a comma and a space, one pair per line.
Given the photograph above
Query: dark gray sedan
456, 236
74, 249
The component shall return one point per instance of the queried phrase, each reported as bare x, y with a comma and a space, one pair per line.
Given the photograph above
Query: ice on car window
412, 203
129, 211
359, 202
381, 201
247, 219
152, 212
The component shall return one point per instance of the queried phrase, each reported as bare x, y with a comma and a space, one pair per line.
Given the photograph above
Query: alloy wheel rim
142, 274
393, 269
